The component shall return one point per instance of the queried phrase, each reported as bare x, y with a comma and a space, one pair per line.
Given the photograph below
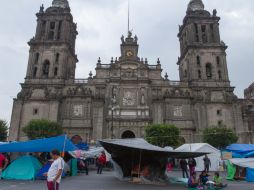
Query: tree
162, 135
219, 136
37, 129
3, 130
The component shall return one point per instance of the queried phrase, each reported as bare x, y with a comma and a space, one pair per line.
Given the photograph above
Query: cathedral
128, 94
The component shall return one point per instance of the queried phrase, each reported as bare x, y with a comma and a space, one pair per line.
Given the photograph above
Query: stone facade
127, 94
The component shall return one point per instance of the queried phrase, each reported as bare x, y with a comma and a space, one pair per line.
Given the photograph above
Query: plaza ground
106, 181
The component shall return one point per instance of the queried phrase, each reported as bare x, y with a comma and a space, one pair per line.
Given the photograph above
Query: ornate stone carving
78, 110
129, 98
177, 111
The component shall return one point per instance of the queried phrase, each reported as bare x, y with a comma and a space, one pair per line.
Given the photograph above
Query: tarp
128, 153
24, 168
41, 145
82, 146
214, 156
241, 150
243, 162
231, 171
250, 175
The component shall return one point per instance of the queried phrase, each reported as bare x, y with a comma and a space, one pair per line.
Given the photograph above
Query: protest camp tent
241, 150
136, 156
214, 156
241, 168
61, 143
24, 168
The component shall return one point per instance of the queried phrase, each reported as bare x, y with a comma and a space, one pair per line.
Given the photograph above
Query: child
192, 182
203, 178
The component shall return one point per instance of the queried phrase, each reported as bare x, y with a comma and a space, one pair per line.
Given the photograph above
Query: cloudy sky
101, 24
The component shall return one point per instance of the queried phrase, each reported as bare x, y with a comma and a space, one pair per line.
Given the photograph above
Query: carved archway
128, 135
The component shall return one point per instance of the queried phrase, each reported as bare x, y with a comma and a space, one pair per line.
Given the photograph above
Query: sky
101, 23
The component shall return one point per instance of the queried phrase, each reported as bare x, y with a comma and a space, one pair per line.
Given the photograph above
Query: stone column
15, 120
98, 119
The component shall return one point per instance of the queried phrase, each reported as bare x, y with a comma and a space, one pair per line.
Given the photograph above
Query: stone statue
142, 99
135, 38
214, 12
129, 34
42, 8
122, 39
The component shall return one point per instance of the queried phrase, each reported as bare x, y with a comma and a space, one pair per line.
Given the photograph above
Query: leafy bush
3, 130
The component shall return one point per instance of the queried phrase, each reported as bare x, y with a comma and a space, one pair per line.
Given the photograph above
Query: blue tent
250, 175
24, 168
45, 169
61, 143
241, 150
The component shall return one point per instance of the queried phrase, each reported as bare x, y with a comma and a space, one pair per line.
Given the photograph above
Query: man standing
55, 171
207, 164
192, 165
3, 163
184, 167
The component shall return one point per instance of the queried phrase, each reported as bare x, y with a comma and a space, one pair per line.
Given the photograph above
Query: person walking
184, 167
101, 162
3, 163
192, 165
54, 174
207, 164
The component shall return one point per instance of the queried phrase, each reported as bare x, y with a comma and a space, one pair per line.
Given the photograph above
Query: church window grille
199, 74
59, 30
35, 111
185, 73
212, 32
219, 112
51, 30
196, 33
208, 70
55, 71
37, 56
198, 61
204, 35
35, 72
45, 68
218, 60
43, 29
220, 75
57, 58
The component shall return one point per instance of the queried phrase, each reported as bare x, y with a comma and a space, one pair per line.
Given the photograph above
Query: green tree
3, 130
219, 136
37, 129
163, 135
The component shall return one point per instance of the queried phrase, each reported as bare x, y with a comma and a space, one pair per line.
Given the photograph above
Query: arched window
36, 59
198, 60
51, 34
199, 74
208, 70
45, 68
55, 71
219, 75
35, 72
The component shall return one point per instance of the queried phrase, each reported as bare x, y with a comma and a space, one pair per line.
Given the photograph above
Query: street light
113, 102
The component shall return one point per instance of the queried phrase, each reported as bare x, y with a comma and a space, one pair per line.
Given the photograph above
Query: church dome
60, 3
196, 5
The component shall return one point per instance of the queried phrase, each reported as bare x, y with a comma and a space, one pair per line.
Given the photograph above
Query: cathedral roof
60, 3
196, 5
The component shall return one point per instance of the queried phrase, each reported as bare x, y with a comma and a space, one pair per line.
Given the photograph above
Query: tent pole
64, 145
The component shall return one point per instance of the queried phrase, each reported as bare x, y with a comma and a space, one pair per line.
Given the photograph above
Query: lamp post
113, 102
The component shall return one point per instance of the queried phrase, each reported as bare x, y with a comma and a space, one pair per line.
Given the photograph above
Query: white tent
215, 155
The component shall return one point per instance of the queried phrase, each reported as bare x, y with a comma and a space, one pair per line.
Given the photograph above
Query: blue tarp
82, 146
61, 143
241, 150
45, 169
250, 175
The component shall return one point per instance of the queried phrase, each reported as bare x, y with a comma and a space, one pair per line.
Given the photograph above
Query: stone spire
60, 3
196, 5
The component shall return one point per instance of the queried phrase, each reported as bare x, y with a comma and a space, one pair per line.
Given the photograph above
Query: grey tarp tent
128, 153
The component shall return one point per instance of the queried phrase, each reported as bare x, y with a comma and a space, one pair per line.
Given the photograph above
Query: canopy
24, 168
241, 150
214, 156
130, 153
61, 143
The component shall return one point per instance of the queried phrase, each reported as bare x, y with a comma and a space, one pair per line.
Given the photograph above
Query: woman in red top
101, 162
3, 163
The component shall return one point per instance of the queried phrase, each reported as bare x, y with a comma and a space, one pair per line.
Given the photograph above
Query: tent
45, 169
241, 150
136, 157
61, 143
24, 168
214, 156
241, 168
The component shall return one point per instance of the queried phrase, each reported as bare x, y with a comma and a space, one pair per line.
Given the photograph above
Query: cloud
101, 24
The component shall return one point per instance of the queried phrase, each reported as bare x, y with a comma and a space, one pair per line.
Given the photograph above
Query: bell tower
203, 54
52, 57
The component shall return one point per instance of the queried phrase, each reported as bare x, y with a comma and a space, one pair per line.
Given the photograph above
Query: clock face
129, 53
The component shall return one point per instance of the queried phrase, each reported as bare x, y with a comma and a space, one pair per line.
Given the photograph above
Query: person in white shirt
55, 171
